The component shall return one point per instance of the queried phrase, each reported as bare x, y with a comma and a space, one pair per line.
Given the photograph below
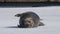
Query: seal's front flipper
19, 26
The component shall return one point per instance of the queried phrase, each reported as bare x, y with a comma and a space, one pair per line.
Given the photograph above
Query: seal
29, 20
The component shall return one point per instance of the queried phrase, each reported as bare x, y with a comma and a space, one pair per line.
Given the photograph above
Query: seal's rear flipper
41, 19
18, 15
41, 24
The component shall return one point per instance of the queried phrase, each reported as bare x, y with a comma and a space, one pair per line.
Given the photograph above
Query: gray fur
29, 20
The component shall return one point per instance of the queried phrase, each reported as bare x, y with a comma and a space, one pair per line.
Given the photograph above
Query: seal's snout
29, 25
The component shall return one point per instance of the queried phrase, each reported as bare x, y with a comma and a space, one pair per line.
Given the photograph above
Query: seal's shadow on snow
12, 27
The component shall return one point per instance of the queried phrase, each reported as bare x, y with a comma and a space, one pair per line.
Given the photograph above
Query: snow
50, 16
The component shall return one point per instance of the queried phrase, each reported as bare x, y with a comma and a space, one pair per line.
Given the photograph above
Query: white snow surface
50, 16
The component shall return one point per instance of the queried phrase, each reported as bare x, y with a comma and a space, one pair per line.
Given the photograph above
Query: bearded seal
29, 20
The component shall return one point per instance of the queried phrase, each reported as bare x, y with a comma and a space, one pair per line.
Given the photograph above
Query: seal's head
28, 22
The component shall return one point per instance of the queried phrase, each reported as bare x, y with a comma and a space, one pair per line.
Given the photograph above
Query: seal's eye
27, 21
